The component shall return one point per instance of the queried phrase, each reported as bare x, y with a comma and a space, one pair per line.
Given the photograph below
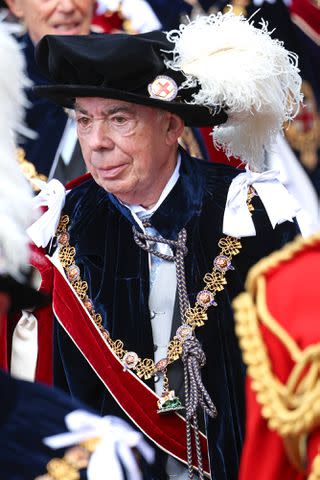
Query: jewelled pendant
169, 402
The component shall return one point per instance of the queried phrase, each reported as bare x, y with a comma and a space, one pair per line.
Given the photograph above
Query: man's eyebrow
80, 109
108, 111
120, 109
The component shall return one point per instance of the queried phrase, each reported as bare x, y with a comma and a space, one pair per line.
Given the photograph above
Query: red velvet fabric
293, 293
74, 183
140, 403
308, 11
45, 324
263, 456
4, 342
109, 22
218, 156
45, 318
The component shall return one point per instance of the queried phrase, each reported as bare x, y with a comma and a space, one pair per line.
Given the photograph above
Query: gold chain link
195, 316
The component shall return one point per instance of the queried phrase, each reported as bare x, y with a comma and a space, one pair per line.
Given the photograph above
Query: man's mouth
67, 27
111, 172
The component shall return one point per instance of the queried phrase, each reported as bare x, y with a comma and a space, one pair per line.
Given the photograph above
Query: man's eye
83, 121
119, 120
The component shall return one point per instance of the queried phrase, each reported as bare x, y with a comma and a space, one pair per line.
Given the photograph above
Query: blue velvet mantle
116, 270
29, 413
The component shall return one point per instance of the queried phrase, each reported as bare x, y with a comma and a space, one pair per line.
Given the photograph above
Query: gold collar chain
195, 316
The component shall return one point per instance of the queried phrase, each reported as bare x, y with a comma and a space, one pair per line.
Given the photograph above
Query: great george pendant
169, 402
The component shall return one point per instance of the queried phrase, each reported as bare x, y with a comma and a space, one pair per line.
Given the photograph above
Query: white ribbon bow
53, 196
279, 204
117, 440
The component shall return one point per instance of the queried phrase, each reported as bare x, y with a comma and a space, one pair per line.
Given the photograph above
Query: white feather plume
239, 68
16, 212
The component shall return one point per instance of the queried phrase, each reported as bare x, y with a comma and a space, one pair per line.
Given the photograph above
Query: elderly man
52, 146
153, 245
30, 412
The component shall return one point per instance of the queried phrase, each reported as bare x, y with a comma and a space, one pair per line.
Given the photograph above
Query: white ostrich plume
15, 195
243, 70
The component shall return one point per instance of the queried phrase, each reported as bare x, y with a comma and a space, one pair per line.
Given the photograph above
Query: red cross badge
163, 88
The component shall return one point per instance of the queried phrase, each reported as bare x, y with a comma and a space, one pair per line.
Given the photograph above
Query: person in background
53, 148
277, 322
131, 16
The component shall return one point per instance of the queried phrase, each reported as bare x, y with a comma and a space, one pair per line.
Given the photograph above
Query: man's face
54, 17
129, 149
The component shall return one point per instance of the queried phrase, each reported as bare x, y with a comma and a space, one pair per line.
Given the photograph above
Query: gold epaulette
292, 409
29, 170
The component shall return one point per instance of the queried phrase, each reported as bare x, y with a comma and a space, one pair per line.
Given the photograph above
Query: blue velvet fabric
116, 270
172, 14
28, 413
43, 117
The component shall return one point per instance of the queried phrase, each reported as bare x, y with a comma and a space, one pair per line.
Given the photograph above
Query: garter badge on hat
163, 88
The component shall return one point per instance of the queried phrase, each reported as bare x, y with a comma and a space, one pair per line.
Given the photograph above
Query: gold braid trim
292, 409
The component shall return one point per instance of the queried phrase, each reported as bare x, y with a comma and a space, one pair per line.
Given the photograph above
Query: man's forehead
105, 105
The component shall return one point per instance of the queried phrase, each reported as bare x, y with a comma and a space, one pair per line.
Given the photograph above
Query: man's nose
67, 6
99, 137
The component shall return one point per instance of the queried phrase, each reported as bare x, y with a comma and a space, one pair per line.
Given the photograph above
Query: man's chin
119, 189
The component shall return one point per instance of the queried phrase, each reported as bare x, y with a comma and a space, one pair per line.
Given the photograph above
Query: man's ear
16, 7
175, 128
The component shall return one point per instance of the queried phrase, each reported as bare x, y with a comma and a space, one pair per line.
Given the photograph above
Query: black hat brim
193, 115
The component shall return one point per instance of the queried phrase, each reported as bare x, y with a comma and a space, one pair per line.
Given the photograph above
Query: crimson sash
137, 400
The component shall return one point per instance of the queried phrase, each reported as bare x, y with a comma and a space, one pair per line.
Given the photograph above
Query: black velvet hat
119, 66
